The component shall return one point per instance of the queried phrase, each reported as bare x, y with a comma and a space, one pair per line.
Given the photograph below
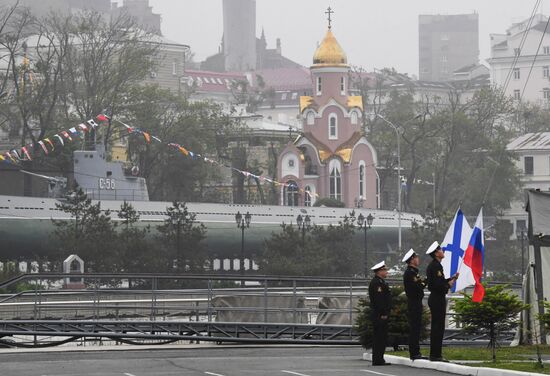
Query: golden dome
329, 53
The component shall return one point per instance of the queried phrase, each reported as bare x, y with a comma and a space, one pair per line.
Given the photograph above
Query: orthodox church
332, 157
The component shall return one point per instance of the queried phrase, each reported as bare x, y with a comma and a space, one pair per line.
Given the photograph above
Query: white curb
457, 369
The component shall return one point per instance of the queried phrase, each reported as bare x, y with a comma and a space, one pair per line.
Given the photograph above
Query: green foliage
133, 247
201, 127
398, 326
182, 241
545, 317
322, 251
329, 202
90, 233
497, 312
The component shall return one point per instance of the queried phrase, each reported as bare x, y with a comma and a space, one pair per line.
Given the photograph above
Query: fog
375, 34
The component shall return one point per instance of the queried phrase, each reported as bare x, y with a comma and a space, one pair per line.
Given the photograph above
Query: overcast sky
374, 34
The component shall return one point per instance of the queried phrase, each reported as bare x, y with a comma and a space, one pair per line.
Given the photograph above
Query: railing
205, 307
166, 308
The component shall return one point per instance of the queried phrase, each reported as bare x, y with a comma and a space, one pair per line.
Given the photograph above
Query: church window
342, 85
354, 117
319, 86
307, 196
291, 193
335, 180
332, 127
291, 163
310, 118
362, 179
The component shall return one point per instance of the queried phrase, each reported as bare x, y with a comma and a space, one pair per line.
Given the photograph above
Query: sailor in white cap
380, 304
414, 289
438, 286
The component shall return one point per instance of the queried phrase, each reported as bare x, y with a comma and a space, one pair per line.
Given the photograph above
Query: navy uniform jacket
414, 285
437, 283
380, 297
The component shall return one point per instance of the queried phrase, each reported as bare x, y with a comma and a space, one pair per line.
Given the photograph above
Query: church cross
329, 12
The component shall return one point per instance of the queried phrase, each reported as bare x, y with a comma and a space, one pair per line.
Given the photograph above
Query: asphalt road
209, 361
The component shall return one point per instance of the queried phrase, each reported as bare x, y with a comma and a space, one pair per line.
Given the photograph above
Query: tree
90, 233
398, 325
499, 311
200, 127
182, 240
322, 251
135, 251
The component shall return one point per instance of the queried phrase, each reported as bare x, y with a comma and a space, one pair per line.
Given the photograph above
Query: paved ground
209, 361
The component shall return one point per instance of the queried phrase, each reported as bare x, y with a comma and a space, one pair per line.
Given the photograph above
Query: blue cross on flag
454, 245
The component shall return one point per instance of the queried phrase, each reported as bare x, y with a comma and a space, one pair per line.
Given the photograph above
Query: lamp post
521, 234
243, 222
365, 224
304, 224
398, 176
396, 129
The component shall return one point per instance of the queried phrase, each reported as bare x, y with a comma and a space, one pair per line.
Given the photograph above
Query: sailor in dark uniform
414, 289
380, 304
438, 286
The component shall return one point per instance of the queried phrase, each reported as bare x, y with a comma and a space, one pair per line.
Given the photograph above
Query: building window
319, 86
174, 67
354, 117
516, 74
362, 180
528, 165
546, 50
332, 127
516, 51
283, 97
335, 182
546, 94
291, 194
342, 85
310, 118
517, 95
307, 196
545, 71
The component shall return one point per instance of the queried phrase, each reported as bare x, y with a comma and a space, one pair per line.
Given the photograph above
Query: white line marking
129, 374
377, 373
213, 374
294, 373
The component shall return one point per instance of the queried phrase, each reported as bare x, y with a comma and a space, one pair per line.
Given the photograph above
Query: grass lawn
525, 357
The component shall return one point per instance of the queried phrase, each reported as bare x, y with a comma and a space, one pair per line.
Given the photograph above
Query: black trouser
414, 314
438, 308
380, 335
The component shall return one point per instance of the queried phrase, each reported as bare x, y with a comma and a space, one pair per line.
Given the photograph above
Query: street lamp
304, 224
365, 224
521, 234
243, 222
396, 129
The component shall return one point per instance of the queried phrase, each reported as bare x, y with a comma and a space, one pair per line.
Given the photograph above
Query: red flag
473, 257
24, 150
102, 117
83, 127
41, 143
66, 135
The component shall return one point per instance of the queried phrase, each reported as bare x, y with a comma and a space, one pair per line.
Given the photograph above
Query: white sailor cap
409, 255
378, 266
433, 248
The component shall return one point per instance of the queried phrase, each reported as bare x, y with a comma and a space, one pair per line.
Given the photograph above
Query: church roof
343, 151
329, 53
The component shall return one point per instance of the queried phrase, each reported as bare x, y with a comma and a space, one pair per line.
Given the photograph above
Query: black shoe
438, 359
419, 356
381, 364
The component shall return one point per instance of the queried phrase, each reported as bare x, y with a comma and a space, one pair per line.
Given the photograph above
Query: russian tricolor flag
473, 258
